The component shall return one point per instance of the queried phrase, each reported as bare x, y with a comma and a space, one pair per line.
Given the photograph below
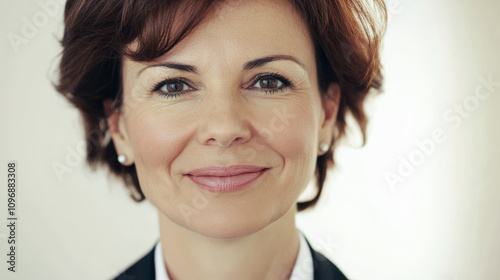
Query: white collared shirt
302, 270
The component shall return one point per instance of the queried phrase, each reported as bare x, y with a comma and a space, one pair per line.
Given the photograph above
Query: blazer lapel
144, 269
324, 269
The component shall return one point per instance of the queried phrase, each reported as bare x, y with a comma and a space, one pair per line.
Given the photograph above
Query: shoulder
143, 269
324, 269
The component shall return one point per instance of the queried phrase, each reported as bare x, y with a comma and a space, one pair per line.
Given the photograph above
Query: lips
225, 170
224, 179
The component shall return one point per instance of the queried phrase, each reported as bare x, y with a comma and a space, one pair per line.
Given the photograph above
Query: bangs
155, 27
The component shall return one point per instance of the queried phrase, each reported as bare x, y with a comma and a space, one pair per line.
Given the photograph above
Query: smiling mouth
223, 171
226, 183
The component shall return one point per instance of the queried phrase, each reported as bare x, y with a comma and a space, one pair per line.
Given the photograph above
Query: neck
267, 254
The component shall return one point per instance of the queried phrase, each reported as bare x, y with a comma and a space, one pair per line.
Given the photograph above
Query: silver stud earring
122, 158
323, 147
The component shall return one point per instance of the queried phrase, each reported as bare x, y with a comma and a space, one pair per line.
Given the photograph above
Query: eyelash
256, 79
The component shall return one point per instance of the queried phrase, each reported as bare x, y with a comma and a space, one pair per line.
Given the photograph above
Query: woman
219, 113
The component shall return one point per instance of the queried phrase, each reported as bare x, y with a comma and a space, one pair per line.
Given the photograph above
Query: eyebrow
177, 66
261, 61
248, 66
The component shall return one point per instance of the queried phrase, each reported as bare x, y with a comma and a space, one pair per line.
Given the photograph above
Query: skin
225, 118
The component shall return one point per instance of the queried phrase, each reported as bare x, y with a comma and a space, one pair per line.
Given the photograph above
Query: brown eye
172, 88
269, 83
175, 86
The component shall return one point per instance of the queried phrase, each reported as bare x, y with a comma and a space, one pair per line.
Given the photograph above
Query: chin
228, 224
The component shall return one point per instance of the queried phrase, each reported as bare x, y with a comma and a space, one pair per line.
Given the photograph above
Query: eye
270, 83
172, 88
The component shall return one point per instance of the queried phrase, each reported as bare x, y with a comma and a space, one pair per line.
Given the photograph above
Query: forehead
245, 30
244, 17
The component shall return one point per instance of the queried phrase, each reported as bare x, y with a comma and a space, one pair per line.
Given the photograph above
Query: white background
442, 222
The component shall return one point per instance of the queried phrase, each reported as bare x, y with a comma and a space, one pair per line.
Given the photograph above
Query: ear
330, 107
119, 134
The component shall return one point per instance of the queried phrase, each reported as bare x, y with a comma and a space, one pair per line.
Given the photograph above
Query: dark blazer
144, 269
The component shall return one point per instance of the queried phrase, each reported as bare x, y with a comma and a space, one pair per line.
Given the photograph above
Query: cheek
157, 140
296, 144
293, 129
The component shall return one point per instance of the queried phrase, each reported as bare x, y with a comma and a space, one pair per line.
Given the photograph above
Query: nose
225, 120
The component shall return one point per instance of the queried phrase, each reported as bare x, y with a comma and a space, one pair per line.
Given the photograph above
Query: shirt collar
302, 270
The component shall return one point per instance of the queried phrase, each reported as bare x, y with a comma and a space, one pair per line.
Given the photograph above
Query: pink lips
226, 179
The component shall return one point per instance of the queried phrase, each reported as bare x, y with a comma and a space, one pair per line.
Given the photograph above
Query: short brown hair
346, 34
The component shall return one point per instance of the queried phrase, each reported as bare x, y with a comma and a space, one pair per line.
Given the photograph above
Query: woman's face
242, 91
